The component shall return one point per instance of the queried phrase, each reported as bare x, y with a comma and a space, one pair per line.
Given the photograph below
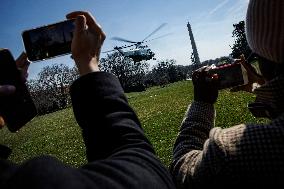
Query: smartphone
16, 109
49, 41
230, 75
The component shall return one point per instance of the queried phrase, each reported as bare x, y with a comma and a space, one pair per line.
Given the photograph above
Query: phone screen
49, 41
230, 75
17, 109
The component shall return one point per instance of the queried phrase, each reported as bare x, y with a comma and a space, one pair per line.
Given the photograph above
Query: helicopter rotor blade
162, 25
108, 51
121, 39
159, 37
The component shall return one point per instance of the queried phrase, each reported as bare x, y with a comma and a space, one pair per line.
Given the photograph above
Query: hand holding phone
88, 40
230, 75
57, 39
254, 78
208, 80
16, 105
205, 85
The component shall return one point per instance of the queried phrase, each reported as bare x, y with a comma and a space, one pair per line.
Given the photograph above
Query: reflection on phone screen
230, 76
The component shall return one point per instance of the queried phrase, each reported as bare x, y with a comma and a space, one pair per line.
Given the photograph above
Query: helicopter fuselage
140, 52
138, 55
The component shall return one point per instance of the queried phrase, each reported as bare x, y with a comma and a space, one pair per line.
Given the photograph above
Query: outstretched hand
87, 42
205, 85
252, 77
5, 90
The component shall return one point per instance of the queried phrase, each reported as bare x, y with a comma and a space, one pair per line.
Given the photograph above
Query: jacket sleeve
116, 146
197, 153
108, 123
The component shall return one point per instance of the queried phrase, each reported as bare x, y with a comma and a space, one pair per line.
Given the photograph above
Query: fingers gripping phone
17, 109
230, 75
49, 41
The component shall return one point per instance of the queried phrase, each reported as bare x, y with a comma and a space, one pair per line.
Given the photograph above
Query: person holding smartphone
245, 155
119, 154
8, 90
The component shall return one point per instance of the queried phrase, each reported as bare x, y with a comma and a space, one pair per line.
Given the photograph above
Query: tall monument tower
193, 44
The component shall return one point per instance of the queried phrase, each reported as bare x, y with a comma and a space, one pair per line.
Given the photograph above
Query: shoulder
250, 148
249, 134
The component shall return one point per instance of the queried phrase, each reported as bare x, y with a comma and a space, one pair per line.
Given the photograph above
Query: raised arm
196, 152
117, 149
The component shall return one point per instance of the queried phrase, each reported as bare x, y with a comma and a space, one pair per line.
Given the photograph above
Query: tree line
50, 89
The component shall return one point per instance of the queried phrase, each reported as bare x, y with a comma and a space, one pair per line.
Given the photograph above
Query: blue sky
212, 24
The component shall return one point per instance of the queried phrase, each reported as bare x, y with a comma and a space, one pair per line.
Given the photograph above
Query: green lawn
160, 110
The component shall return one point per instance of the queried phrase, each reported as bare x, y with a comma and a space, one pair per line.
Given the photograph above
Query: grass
160, 110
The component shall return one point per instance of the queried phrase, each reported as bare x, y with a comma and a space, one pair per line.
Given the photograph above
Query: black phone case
38, 50
16, 109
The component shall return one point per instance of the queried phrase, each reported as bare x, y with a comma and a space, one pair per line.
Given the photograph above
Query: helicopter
139, 52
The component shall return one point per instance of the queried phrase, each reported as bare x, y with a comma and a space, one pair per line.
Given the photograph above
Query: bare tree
130, 74
51, 90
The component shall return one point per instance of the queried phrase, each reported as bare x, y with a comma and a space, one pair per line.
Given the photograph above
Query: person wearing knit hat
246, 154
265, 29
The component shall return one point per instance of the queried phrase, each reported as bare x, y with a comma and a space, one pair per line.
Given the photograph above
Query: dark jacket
119, 154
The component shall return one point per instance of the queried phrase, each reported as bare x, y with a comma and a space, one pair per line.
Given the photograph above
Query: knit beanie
265, 28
